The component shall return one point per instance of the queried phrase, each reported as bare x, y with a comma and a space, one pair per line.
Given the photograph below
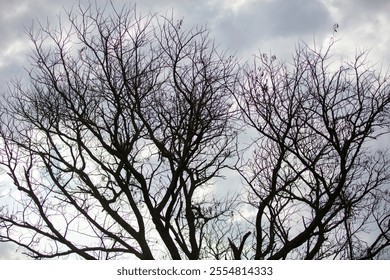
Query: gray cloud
15, 16
246, 27
274, 25
9, 251
364, 24
359, 15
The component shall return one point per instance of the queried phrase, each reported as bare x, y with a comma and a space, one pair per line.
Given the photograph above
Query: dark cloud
240, 28
295, 17
260, 23
246, 26
358, 8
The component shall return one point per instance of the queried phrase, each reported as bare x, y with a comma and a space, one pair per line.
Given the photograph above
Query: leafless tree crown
317, 179
115, 147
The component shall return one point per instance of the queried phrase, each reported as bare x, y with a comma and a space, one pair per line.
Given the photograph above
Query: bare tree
115, 144
317, 182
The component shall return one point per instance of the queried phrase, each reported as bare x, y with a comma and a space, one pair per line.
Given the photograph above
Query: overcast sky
243, 26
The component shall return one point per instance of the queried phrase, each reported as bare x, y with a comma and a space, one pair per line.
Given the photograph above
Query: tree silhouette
124, 124
317, 179
117, 143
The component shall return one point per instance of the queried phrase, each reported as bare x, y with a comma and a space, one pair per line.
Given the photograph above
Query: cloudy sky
242, 26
